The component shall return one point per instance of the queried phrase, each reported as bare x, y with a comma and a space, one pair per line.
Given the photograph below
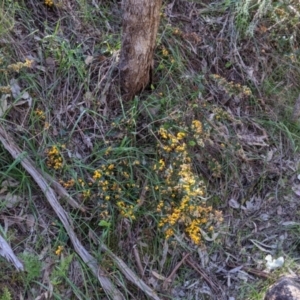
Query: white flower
272, 264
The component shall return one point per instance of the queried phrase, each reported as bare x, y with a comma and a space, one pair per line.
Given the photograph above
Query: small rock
286, 288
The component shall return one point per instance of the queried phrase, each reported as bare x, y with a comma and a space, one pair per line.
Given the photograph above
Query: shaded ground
231, 66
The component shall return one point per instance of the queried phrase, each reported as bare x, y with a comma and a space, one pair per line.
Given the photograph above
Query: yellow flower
59, 250
167, 148
165, 52
180, 135
5, 89
169, 232
46, 126
163, 133
176, 31
28, 63
49, 2
86, 194
97, 174
161, 164
197, 126
108, 150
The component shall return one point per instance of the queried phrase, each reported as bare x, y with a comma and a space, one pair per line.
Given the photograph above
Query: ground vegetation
179, 193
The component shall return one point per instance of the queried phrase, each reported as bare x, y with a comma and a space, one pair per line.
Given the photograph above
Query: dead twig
138, 260
143, 193
129, 274
198, 269
252, 271
170, 277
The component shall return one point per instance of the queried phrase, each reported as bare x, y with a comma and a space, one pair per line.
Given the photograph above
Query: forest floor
180, 193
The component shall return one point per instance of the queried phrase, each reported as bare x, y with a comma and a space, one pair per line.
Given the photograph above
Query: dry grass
216, 132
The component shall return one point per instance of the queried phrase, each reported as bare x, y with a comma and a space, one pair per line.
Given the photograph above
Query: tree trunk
140, 25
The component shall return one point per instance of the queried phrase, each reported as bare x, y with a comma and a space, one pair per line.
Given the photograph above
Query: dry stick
130, 275
8, 254
111, 291
258, 273
170, 277
253, 271
143, 194
138, 260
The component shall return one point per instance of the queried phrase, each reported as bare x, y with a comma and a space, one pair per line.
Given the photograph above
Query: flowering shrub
54, 157
183, 205
7, 69
180, 192
230, 87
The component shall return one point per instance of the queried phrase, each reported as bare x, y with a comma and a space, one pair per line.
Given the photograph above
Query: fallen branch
129, 274
9, 255
111, 291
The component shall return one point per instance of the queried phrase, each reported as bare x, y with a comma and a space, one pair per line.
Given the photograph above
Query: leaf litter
257, 196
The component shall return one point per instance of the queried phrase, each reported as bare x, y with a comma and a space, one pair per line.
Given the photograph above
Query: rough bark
140, 25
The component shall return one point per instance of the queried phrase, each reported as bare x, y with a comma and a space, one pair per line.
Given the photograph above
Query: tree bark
140, 25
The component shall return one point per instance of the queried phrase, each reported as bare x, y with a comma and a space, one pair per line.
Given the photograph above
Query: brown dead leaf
10, 183
26, 100
160, 277
87, 141
30, 222
88, 60
234, 204
254, 140
88, 99
164, 254
18, 94
10, 200
50, 63
15, 88
3, 104
262, 29
3, 190
192, 37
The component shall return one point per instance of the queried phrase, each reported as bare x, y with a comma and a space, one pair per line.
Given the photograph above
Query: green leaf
104, 223
228, 64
